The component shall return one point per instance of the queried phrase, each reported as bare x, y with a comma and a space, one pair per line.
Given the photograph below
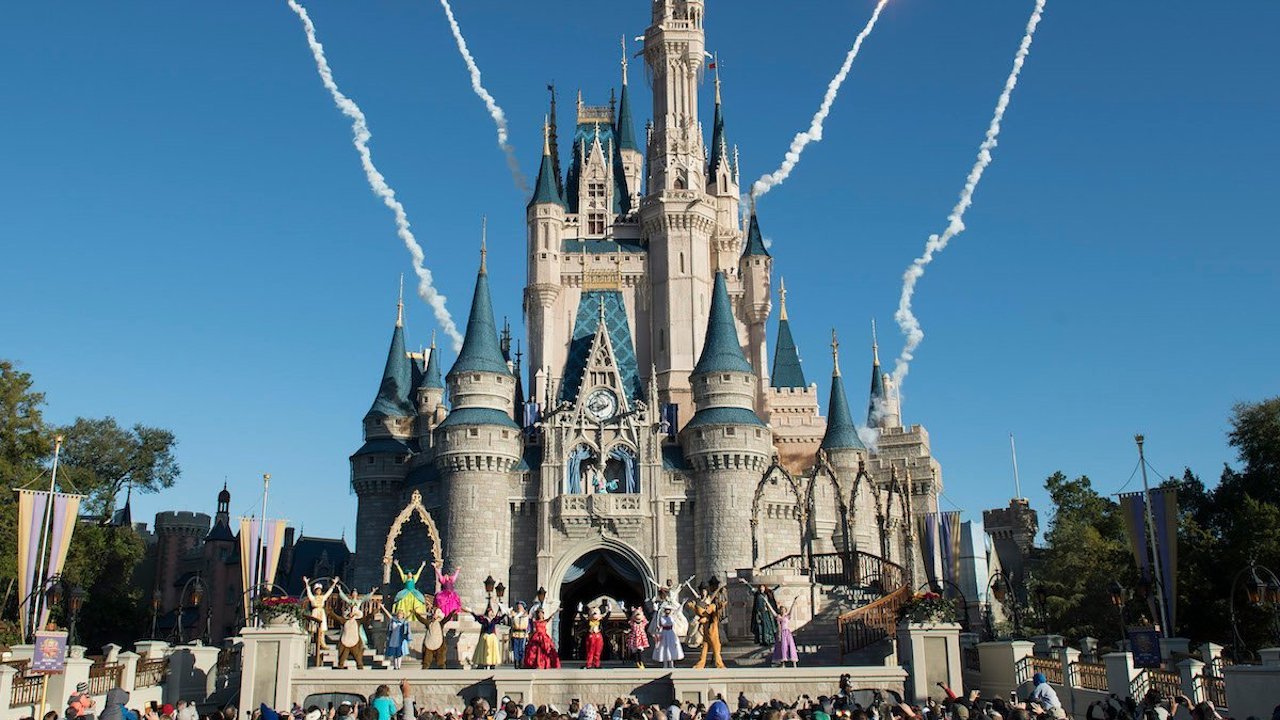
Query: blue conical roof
393, 392
877, 394
626, 133
755, 240
719, 144
546, 191
431, 378
841, 433
721, 351
786, 359
480, 349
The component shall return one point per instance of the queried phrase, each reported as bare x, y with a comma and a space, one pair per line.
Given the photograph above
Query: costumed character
486, 655
410, 601
446, 599
668, 596
433, 645
693, 638
637, 636
398, 637
666, 648
540, 652
318, 597
764, 628
709, 611
594, 644
784, 649
518, 621
351, 640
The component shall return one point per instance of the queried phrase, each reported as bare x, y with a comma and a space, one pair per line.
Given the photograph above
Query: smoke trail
814, 133
360, 131
499, 117
937, 243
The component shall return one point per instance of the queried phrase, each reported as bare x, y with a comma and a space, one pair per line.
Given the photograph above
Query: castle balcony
578, 514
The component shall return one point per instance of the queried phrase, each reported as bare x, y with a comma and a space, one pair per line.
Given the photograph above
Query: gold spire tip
433, 339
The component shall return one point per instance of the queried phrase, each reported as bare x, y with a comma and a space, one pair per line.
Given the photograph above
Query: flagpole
1155, 549
1017, 483
259, 571
37, 597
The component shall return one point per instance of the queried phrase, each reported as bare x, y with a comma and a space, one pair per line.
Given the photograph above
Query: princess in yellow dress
410, 601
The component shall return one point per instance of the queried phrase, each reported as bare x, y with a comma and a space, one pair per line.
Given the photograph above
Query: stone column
129, 673
268, 660
1000, 665
1189, 670
151, 649
1089, 649
192, 674
931, 654
1170, 646
7, 673
111, 653
1120, 672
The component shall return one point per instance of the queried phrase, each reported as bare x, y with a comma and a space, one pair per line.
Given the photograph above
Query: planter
280, 621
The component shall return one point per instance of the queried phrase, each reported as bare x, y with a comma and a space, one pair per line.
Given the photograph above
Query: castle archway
608, 569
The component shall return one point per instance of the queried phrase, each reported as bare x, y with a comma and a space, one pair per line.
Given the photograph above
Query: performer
540, 653
669, 596
398, 638
637, 637
410, 600
764, 629
666, 649
709, 611
433, 647
518, 621
318, 598
595, 640
486, 655
351, 640
446, 599
784, 650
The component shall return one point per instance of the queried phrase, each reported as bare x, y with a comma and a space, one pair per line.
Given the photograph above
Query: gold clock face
602, 404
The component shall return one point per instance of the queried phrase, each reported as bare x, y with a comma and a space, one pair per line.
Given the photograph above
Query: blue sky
188, 240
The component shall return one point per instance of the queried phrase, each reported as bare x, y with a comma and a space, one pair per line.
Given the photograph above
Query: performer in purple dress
784, 648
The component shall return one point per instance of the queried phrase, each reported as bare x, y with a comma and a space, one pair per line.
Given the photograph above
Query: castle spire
721, 351
755, 239
484, 250
719, 144
878, 397
392, 399
480, 350
841, 433
431, 377
400, 304
787, 372
546, 190
553, 143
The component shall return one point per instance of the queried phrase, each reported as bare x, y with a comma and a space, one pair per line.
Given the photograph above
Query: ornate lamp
489, 582
541, 595
1117, 593
999, 589
76, 600
501, 590
197, 592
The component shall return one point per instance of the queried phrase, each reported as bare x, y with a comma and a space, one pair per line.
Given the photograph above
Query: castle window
475, 378
473, 432
595, 223
730, 431
370, 461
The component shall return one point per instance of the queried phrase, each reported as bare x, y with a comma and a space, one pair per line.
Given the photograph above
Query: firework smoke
937, 243
499, 117
814, 133
361, 136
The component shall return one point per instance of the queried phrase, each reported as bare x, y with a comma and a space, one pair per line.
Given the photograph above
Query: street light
1119, 596
501, 590
1262, 588
74, 604
541, 595
999, 587
489, 582
196, 588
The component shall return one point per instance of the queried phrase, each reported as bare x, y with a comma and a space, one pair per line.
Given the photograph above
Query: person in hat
1043, 694
318, 598
518, 621
667, 649
80, 704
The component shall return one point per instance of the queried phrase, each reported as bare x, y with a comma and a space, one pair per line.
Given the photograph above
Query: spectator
1045, 696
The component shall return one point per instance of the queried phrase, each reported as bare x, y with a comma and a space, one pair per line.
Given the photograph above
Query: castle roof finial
875, 345
546, 136
484, 251
624, 61
835, 352
782, 298
715, 65
400, 304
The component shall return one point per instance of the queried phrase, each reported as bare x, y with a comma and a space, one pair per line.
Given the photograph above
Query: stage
439, 689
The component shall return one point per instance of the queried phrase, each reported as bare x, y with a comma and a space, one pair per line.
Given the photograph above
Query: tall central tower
677, 217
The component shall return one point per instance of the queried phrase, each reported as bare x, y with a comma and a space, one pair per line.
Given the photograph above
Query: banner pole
38, 598
1155, 549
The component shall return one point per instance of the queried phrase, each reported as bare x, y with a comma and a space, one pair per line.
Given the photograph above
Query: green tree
24, 444
101, 458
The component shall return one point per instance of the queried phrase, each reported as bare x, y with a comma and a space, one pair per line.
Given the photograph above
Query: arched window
621, 471
577, 469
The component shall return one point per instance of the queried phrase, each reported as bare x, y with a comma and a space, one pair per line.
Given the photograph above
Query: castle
655, 440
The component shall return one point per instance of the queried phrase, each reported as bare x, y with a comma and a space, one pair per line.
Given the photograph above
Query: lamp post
1262, 588
501, 591
1119, 596
156, 597
75, 602
541, 595
196, 595
1000, 588
489, 583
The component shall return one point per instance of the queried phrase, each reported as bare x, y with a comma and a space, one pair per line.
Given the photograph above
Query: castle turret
377, 468
845, 453
429, 395
791, 402
477, 447
722, 185
543, 300
756, 270
632, 158
726, 443
883, 409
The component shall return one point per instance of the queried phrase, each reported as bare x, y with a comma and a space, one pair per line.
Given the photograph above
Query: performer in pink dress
446, 599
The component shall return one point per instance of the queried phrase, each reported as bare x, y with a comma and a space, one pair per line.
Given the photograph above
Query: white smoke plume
499, 117
814, 133
870, 437
937, 243
361, 136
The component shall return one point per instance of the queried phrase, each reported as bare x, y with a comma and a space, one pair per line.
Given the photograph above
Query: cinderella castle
651, 433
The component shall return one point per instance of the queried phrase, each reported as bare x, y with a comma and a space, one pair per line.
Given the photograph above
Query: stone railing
1051, 668
104, 676
1090, 676
151, 673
